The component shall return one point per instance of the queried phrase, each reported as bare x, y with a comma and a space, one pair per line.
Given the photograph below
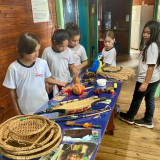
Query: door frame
96, 27
59, 11
130, 27
60, 21
155, 10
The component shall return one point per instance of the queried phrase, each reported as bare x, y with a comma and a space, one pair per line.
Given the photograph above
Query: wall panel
15, 18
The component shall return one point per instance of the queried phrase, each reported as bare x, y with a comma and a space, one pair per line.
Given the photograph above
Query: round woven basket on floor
40, 137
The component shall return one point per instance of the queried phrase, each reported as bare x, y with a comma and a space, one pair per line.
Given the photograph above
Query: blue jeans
149, 99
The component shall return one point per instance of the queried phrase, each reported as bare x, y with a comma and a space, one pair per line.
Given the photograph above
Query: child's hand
48, 88
78, 67
142, 88
63, 84
76, 72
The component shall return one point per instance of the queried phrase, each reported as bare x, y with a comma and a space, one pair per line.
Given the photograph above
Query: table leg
110, 125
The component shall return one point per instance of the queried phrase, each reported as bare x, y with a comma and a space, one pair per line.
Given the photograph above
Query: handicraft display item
74, 107
28, 137
117, 73
89, 78
97, 64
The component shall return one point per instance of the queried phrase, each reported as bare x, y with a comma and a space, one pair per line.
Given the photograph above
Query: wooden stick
73, 123
84, 116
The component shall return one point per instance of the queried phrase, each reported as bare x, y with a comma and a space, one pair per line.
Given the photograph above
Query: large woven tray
19, 148
121, 75
34, 155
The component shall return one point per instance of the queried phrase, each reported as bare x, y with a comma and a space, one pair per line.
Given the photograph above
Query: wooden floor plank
127, 153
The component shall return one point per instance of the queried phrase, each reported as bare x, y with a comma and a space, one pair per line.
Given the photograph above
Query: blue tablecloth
103, 121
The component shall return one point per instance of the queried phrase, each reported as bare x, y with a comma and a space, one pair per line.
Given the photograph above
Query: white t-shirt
79, 54
159, 70
58, 65
29, 83
109, 56
152, 56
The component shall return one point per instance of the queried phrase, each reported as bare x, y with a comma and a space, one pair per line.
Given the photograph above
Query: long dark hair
73, 29
154, 37
59, 36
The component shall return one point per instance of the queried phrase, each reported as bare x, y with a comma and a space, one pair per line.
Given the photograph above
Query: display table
106, 120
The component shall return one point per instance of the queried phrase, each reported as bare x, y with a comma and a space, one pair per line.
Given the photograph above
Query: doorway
141, 14
158, 12
142, 11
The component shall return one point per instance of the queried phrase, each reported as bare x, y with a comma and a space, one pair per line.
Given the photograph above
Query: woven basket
8, 129
51, 142
28, 126
16, 146
34, 155
5, 133
13, 143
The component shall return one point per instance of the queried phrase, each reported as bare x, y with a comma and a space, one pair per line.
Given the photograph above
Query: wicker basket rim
16, 148
25, 148
7, 147
4, 127
18, 121
35, 155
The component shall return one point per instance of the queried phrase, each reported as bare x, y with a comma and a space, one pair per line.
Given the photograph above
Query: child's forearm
14, 102
53, 81
84, 64
149, 73
73, 68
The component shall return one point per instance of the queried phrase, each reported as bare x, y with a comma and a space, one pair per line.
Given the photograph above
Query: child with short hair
148, 78
109, 52
59, 59
26, 77
78, 51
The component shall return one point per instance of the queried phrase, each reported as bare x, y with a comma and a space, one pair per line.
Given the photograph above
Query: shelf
112, 29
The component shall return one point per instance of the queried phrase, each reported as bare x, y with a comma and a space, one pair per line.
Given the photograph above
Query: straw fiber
121, 75
41, 136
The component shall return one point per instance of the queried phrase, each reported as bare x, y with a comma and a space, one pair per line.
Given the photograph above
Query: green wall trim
88, 32
155, 10
96, 26
59, 11
157, 94
130, 26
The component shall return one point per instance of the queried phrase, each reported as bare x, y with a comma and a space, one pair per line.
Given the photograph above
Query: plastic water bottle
117, 25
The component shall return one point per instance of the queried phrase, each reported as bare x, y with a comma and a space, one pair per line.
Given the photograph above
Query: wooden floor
131, 142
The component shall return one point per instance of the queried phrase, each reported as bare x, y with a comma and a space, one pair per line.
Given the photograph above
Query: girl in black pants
148, 78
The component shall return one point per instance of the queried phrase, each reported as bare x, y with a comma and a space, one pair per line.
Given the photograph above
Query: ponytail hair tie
58, 28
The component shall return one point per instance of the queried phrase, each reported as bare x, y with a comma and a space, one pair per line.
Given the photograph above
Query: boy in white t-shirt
26, 77
59, 59
109, 52
78, 51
